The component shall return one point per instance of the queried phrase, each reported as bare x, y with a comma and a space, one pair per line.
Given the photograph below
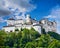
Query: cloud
15, 7
2, 20
3, 11
55, 14
22, 5
50, 16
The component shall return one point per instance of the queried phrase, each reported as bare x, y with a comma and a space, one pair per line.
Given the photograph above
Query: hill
29, 39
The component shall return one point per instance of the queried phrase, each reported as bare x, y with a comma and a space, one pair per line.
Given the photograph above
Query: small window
6, 31
11, 31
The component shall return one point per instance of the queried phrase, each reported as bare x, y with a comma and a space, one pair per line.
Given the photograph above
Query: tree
34, 34
54, 35
2, 38
11, 39
29, 39
54, 44
16, 29
30, 45
43, 41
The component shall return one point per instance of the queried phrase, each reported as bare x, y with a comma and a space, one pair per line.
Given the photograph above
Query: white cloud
20, 17
22, 5
9, 6
3, 10
50, 16
55, 14
2, 20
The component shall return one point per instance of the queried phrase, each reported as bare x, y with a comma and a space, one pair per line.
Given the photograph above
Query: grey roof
9, 26
34, 21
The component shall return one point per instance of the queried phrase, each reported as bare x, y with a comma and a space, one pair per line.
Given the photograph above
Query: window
16, 29
11, 31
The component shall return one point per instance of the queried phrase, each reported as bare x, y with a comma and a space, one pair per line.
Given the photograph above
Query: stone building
29, 23
48, 25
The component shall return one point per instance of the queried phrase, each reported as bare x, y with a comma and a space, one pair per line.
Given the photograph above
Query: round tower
28, 19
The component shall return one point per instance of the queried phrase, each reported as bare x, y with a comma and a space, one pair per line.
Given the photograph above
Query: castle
29, 23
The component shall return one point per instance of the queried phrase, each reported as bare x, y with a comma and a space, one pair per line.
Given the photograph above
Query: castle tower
28, 19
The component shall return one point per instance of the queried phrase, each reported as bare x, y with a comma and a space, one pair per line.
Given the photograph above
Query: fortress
29, 23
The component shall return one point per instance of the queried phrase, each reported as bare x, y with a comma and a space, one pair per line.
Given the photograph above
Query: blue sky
36, 8
43, 7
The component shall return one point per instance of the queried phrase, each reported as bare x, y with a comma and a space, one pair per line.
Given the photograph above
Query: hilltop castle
29, 23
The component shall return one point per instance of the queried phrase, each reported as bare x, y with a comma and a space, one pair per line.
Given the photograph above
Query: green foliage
16, 29
30, 45
43, 31
54, 35
2, 38
29, 39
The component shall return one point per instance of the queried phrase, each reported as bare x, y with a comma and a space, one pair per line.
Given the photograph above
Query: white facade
12, 29
10, 22
9, 29
37, 28
48, 25
27, 26
19, 21
28, 23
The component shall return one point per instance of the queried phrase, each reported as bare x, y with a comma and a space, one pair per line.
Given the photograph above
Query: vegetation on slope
29, 39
